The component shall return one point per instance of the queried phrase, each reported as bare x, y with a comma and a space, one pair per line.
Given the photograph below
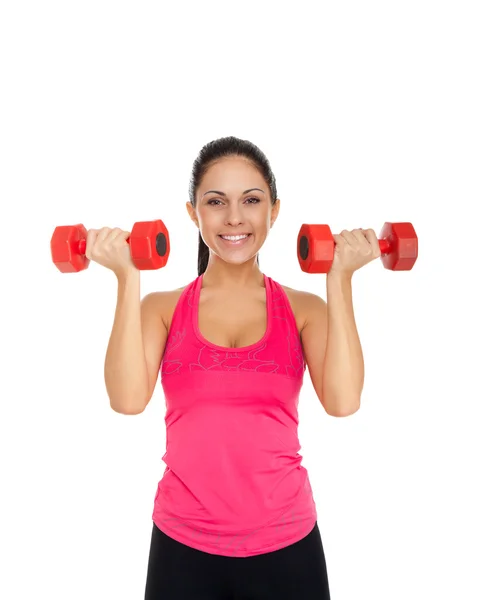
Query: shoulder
162, 304
304, 304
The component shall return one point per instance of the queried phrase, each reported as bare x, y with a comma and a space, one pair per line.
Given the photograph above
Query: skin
230, 267
232, 300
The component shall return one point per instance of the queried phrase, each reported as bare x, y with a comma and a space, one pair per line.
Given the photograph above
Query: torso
230, 320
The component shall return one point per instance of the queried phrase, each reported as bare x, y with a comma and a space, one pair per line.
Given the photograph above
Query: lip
237, 243
239, 233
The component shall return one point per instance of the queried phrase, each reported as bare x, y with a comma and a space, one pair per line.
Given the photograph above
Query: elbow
341, 407
343, 413
127, 400
125, 411
127, 406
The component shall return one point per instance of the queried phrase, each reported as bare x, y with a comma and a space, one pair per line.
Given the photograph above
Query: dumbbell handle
82, 245
385, 246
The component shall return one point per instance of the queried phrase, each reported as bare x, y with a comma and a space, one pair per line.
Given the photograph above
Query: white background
368, 112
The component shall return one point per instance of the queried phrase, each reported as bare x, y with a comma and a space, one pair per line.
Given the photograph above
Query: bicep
314, 339
154, 333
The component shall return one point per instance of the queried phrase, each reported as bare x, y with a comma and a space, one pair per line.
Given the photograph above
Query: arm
344, 367
332, 348
135, 348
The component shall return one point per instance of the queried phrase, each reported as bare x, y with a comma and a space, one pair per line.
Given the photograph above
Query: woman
234, 514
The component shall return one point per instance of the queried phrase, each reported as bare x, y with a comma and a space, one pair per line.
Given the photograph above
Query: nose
234, 215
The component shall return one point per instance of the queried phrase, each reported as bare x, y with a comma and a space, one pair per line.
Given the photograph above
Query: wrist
339, 276
126, 276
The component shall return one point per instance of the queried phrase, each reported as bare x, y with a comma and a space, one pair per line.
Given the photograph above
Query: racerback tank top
233, 484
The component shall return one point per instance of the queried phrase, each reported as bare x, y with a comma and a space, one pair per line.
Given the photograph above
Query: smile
235, 240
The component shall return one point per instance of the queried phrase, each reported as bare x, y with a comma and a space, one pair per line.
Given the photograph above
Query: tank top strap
281, 307
285, 332
184, 309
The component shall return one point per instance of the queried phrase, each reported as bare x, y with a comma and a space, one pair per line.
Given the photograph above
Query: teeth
234, 238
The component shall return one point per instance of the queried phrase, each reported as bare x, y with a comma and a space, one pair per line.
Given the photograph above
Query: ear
275, 211
192, 212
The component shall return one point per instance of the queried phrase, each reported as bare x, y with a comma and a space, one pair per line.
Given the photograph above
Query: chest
232, 321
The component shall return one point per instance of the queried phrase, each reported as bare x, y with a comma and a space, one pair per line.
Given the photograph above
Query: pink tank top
234, 484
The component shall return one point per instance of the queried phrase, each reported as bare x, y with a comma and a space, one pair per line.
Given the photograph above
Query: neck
220, 274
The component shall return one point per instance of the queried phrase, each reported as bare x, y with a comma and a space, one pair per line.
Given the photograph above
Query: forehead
232, 173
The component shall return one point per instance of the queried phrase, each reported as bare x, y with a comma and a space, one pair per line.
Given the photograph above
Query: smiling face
233, 199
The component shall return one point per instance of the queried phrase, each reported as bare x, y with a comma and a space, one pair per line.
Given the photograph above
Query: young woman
234, 514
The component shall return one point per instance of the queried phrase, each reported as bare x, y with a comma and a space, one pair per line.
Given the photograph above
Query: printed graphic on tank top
234, 484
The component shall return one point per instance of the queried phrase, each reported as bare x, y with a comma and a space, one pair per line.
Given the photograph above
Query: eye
213, 200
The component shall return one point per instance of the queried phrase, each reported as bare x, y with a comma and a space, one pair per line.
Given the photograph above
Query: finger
98, 242
349, 238
359, 235
371, 236
114, 233
120, 240
91, 238
362, 240
121, 237
103, 234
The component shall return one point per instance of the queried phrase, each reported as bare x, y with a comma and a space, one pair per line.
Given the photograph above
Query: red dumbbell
316, 246
149, 246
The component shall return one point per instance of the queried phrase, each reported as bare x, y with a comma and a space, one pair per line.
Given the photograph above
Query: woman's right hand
109, 248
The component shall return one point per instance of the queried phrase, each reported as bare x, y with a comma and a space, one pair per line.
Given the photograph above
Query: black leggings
179, 572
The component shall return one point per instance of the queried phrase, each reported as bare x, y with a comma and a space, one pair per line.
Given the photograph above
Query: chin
235, 258
238, 260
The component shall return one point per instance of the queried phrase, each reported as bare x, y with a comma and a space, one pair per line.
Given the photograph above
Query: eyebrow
223, 193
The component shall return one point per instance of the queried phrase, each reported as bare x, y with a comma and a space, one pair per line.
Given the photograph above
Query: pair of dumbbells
150, 247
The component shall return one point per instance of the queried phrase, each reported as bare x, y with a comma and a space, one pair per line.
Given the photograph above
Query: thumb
91, 237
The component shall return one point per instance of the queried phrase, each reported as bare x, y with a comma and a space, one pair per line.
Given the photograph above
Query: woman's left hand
354, 249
